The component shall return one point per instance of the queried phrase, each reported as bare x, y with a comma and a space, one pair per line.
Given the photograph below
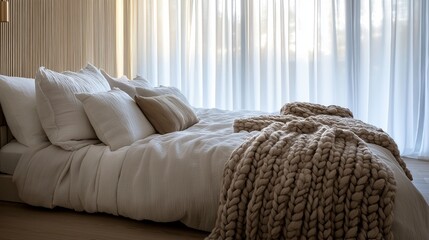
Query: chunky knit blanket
309, 174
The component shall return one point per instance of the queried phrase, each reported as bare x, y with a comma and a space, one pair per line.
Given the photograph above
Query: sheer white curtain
370, 56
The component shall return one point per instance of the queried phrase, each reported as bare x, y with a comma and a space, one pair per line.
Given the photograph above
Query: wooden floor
19, 221
420, 171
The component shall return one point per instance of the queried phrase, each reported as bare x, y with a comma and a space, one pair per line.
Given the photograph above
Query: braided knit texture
309, 174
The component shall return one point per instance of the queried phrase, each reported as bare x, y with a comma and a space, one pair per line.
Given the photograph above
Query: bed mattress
10, 155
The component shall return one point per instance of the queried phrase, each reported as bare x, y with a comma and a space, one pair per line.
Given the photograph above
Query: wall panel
58, 34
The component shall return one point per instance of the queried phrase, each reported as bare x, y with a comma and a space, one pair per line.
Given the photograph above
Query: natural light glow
258, 55
120, 37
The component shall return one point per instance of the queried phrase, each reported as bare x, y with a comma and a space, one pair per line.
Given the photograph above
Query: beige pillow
167, 113
161, 90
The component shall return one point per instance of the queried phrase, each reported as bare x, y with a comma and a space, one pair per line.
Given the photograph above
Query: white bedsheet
10, 155
172, 177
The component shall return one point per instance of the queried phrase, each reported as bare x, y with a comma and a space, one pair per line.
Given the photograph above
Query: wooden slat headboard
60, 35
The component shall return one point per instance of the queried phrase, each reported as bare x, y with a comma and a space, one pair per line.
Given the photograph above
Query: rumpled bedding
171, 177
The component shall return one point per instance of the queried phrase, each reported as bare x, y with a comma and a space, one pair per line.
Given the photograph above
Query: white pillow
116, 118
162, 90
61, 113
18, 100
125, 84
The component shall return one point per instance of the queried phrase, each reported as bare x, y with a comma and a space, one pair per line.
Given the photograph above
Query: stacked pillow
166, 108
76, 109
125, 84
17, 98
61, 113
116, 118
167, 113
162, 90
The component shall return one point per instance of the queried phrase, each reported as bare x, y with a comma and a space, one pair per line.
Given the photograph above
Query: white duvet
172, 177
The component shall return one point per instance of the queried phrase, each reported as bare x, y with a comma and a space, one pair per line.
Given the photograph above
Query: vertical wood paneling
58, 34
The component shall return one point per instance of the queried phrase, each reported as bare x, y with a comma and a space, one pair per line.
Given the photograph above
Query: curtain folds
370, 56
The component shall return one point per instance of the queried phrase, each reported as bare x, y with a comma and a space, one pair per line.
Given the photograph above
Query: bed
166, 177
10, 153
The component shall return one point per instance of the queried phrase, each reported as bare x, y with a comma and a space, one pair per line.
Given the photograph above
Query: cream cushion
116, 118
126, 85
162, 90
167, 113
18, 101
61, 113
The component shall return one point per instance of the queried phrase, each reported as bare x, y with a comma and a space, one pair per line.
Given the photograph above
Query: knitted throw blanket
309, 174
